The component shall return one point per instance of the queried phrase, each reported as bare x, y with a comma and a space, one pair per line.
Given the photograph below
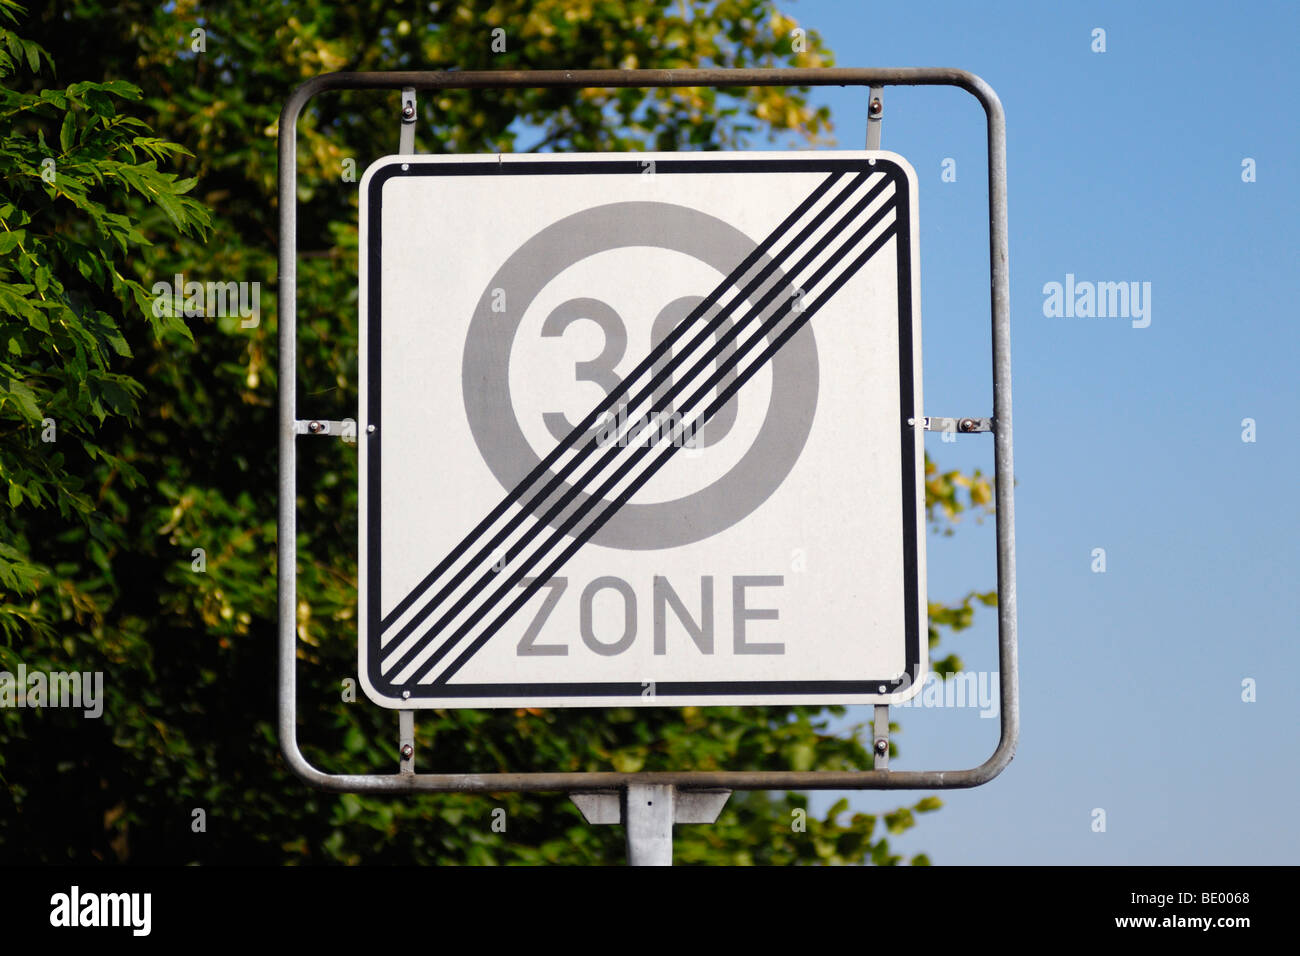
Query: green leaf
14, 43
172, 207
121, 88
23, 398
99, 103
67, 131
13, 300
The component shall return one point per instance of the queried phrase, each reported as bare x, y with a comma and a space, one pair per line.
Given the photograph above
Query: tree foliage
133, 435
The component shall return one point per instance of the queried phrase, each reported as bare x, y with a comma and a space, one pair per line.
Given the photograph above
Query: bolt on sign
638, 429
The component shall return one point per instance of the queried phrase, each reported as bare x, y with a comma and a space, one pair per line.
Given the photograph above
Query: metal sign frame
290, 427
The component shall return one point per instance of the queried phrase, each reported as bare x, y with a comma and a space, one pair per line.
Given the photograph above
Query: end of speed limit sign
637, 429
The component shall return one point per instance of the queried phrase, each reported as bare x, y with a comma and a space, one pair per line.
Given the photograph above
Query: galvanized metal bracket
880, 737
648, 811
345, 429
875, 113
406, 741
410, 110
290, 427
964, 426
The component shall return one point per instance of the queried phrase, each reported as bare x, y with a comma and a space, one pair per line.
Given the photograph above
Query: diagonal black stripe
733, 361
611, 400
724, 394
671, 449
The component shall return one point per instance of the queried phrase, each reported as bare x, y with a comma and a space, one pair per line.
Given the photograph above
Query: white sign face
636, 430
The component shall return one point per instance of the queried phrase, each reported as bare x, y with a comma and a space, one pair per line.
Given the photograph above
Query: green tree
165, 432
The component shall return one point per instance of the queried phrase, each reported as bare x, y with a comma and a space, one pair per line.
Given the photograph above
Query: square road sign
640, 429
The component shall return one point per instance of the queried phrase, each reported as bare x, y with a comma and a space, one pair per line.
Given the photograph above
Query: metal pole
648, 812
648, 821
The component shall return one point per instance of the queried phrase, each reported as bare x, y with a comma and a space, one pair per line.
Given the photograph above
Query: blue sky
1123, 166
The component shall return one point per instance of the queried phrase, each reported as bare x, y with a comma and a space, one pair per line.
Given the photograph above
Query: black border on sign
664, 691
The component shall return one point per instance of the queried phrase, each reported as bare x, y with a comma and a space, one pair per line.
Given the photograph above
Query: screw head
407, 751
370, 429
315, 427
876, 106
408, 111
967, 425
882, 746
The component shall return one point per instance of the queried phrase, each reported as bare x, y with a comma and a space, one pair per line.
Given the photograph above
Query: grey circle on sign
486, 386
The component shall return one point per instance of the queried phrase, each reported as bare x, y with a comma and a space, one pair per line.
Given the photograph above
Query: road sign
640, 429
